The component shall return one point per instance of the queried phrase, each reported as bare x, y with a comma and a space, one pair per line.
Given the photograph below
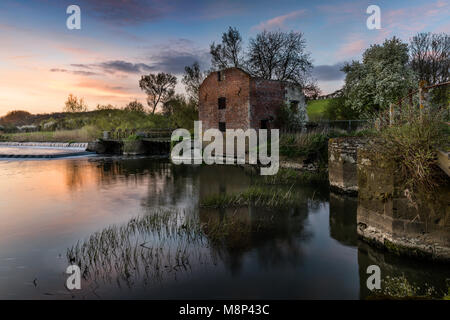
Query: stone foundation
342, 158
387, 218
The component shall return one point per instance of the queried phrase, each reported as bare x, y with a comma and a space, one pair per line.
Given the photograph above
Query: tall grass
256, 195
85, 134
412, 142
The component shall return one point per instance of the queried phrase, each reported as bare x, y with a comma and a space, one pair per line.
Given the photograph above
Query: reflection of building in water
270, 234
226, 180
343, 219
417, 272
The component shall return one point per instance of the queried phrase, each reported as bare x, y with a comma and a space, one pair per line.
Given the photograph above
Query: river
308, 251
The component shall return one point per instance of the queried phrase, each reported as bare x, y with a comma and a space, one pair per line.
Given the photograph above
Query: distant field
316, 109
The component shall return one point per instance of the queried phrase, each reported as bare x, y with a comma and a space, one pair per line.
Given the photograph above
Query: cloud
124, 66
278, 22
77, 72
329, 72
176, 55
109, 67
101, 88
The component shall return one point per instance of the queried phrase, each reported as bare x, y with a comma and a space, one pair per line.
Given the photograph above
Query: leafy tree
158, 87
192, 79
229, 52
384, 76
183, 112
73, 104
135, 106
337, 109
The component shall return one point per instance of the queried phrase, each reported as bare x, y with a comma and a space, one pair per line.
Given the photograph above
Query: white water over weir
44, 150
74, 145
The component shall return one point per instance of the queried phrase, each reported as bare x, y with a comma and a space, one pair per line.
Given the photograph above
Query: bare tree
229, 52
429, 56
74, 105
280, 56
158, 87
192, 79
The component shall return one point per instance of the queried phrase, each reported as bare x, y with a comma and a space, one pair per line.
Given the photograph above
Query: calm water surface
310, 251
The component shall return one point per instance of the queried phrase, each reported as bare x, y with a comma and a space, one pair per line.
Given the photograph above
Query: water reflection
343, 219
307, 251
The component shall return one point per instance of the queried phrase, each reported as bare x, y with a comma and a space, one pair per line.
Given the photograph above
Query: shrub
412, 141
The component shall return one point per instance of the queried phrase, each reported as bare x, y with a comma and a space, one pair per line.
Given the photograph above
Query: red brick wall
236, 89
266, 97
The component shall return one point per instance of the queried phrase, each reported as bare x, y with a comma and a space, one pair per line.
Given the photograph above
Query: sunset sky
41, 61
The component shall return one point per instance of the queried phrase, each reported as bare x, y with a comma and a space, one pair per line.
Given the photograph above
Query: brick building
232, 99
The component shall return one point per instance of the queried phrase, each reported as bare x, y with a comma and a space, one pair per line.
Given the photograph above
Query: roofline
251, 77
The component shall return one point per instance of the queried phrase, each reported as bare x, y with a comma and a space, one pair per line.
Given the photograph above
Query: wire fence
425, 98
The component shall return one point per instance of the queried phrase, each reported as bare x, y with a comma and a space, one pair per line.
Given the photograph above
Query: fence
419, 100
118, 134
345, 125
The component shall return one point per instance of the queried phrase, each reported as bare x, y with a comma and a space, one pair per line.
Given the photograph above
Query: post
421, 85
391, 114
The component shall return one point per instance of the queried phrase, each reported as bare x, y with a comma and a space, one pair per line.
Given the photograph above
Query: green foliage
105, 107
291, 176
338, 109
412, 142
317, 109
135, 106
399, 288
331, 109
182, 112
383, 76
289, 117
263, 196
313, 145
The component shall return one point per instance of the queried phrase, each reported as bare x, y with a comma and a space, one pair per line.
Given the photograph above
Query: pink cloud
353, 47
279, 22
405, 21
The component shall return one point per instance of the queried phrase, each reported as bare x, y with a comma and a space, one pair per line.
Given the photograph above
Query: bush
337, 109
412, 142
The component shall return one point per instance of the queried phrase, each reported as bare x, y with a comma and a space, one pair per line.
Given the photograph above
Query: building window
220, 76
222, 103
222, 126
294, 105
265, 124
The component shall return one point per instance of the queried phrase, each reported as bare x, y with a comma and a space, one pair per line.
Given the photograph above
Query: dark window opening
220, 76
222, 102
294, 105
265, 124
222, 126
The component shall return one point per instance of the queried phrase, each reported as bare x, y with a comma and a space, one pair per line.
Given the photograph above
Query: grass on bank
291, 176
85, 134
317, 109
256, 195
